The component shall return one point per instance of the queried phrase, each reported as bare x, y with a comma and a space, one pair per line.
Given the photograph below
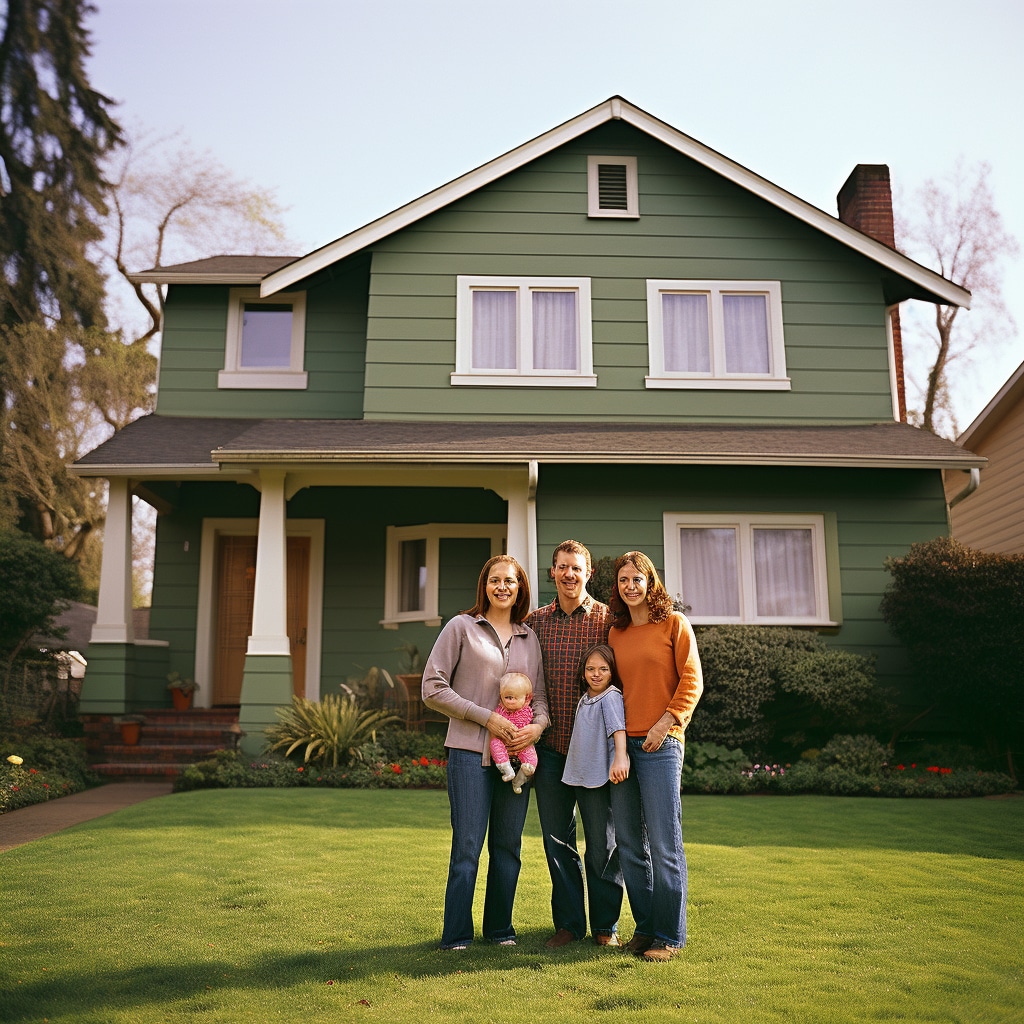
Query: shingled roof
202, 444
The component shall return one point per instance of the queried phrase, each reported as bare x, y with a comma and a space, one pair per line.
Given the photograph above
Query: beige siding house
992, 517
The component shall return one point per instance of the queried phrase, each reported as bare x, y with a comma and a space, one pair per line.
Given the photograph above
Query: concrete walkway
38, 820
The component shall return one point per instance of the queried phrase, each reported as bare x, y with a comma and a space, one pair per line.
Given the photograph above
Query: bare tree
170, 204
953, 227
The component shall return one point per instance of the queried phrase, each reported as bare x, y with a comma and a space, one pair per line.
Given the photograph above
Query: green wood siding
192, 353
692, 225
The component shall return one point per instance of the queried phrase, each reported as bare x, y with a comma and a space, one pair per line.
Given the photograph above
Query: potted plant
181, 690
131, 728
410, 675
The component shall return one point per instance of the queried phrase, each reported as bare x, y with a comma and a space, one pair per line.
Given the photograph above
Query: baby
516, 692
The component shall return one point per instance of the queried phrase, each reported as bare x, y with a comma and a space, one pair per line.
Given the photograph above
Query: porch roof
203, 446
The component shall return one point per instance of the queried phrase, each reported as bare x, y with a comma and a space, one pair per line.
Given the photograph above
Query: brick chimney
865, 203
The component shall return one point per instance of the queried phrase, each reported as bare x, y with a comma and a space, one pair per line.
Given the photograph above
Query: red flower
301, 769
32, 771
397, 769
945, 771
899, 767
424, 762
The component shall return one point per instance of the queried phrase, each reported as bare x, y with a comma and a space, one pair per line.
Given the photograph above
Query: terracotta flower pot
130, 733
182, 699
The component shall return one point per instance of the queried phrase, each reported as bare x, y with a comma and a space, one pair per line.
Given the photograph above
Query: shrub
332, 729
960, 615
764, 683
862, 755
35, 768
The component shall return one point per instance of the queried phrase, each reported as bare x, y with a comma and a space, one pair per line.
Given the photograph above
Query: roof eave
616, 108
156, 276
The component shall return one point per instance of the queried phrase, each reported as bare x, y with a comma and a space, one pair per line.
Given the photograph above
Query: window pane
555, 331
266, 335
684, 326
494, 330
745, 322
784, 572
412, 586
711, 584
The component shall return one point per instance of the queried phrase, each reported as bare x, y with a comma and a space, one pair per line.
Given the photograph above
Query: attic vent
612, 187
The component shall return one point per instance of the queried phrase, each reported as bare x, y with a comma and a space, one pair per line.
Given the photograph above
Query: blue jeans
647, 812
556, 806
481, 804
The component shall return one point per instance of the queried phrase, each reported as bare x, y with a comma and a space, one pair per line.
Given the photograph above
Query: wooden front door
236, 588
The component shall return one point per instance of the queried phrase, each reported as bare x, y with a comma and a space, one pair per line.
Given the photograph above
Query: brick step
138, 770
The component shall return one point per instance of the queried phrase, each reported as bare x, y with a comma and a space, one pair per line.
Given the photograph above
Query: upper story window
523, 331
265, 342
768, 569
716, 334
612, 188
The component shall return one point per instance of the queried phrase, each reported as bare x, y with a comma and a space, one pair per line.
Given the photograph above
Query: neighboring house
989, 514
611, 333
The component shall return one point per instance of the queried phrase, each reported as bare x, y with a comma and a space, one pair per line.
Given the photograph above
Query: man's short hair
573, 547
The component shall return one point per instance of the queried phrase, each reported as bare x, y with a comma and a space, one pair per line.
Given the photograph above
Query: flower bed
39, 768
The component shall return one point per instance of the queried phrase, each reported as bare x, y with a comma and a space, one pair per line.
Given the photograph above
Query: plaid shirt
563, 640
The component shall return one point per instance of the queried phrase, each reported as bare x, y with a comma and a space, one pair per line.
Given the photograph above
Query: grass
305, 905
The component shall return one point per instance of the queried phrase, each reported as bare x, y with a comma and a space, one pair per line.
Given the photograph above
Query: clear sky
351, 109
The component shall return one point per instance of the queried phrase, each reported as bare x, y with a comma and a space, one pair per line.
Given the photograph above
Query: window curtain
745, 323
684, 332
494, 330
708, 560
412, 589
784, 572
555, 344
266, 336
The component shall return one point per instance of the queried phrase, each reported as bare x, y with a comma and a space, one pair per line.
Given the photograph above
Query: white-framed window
266, 337
523, 332
716, 334
412, 567
766, 568
612, 187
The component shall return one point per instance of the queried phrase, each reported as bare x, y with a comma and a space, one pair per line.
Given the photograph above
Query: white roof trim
615, 108
158, 276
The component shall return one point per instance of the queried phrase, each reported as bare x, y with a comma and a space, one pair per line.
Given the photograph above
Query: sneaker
659, 953
508, 942
639, 944
607, 940
459, 947
561, 938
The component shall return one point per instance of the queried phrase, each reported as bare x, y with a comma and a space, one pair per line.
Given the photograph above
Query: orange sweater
660, 671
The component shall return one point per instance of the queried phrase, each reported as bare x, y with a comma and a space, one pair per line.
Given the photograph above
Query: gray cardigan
460, 678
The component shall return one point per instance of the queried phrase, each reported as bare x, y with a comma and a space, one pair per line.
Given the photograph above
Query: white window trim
466, 374
432, 533
745, 525
717, 378
234, 375
632, 211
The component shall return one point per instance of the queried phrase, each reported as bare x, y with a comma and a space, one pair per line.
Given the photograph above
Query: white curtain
709, 571
494, 330
684, 332
784, 572
745, 322
266, 336
555, 331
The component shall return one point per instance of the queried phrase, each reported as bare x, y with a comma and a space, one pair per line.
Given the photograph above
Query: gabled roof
215, 270
1005, 399
157, 446
928, 285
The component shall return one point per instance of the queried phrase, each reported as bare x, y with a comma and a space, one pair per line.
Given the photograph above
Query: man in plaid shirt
567, 628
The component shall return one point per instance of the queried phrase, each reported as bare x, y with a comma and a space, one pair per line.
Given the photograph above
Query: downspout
531, 529
969, 489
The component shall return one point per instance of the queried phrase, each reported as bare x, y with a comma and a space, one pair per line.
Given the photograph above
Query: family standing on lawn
617, 756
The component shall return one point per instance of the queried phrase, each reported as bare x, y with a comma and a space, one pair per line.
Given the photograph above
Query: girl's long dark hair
604, 651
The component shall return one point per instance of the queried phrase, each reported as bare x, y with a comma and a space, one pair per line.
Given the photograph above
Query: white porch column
522, 524
270, 601
114, 612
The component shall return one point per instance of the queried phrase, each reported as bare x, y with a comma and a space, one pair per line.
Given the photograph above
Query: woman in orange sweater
661, 676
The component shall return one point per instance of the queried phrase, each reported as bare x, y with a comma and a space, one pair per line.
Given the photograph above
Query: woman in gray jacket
473, 651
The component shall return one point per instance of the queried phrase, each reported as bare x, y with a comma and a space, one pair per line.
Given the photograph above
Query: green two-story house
611, 333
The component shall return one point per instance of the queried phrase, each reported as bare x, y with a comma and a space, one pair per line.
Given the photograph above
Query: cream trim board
524, 374
432, 533
745, 525
594, 208
717, 376
290, 377
206, 605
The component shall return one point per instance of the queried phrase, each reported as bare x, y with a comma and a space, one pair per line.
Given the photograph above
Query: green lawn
255, 906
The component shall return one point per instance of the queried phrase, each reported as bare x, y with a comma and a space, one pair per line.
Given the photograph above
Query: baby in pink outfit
516, 690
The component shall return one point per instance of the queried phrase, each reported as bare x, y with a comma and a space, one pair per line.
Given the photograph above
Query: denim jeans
556, 806
647, 812
481, 804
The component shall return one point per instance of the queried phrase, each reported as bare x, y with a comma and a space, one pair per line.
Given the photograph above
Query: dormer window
612, 189
265, 344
